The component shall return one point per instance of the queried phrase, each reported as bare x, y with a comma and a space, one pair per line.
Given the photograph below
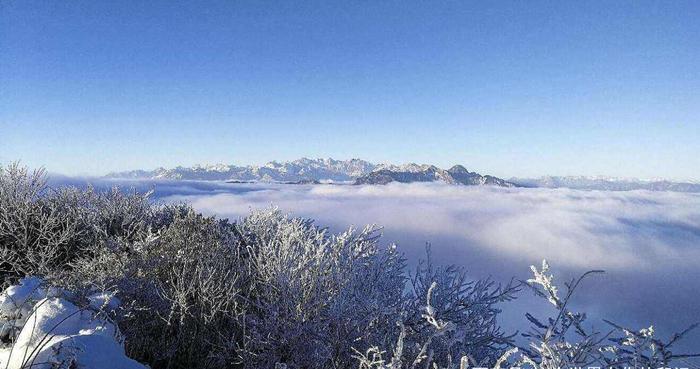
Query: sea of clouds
647, 242
611, 230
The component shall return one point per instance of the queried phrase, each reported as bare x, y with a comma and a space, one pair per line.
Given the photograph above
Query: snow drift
46, 330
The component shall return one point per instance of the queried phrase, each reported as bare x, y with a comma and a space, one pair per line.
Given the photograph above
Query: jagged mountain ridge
312, 170
359, 171
303, 169
457, 175
606, 184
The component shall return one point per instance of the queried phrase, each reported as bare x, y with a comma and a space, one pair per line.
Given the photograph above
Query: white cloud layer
576, 229
648, 242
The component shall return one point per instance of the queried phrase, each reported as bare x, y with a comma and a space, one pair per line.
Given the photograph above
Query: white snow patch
48, 331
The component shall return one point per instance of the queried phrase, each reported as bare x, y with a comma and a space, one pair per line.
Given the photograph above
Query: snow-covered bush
375, 358
448, 320
43, 230
180, 291
470, 307
564, 341
315, 294
43, 329
196, 268
36, 238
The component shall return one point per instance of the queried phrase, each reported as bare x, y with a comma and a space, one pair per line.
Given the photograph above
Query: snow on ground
49, 331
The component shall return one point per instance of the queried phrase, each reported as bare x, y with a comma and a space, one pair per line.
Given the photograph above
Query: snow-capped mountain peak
318, 170
303, 169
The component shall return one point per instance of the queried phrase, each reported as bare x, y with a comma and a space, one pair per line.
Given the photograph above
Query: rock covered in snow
45, 330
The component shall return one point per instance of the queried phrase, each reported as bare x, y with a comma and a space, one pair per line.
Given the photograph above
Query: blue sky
509, 88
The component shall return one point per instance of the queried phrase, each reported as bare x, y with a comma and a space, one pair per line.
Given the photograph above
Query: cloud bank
648, 242
635, 230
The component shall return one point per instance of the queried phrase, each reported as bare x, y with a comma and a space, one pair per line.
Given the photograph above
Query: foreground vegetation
271, 291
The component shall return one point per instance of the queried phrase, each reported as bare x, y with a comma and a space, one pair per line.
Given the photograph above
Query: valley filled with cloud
645, 241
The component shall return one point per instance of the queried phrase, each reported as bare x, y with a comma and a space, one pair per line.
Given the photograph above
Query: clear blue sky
516, 88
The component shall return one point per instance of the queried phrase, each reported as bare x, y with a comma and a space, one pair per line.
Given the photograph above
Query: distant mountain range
293, 171
306, 170
606, 184
357, 171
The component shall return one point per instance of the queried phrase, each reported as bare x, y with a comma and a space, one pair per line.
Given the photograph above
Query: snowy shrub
470, 307
180, 290
43, 230
36, 238
442, 343
564, 341
374, 356
195, 268
315, 295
